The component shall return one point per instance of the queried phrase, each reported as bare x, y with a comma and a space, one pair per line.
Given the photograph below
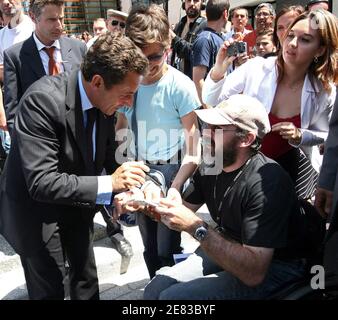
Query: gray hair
267, 5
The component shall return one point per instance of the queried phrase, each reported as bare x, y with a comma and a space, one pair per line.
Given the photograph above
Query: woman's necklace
296, 86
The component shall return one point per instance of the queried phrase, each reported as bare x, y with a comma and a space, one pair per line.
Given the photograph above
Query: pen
154, 179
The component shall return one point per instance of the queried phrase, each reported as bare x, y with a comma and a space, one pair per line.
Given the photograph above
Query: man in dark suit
327, 192
28, 61
50, 187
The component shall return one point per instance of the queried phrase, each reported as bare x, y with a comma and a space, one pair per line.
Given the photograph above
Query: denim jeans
5, 140
199, 278
160, 243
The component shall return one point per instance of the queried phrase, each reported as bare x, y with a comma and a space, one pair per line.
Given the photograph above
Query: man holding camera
208, 42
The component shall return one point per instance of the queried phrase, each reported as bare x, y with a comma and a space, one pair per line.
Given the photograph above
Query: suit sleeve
110, 163
328, 173
40, 133
83, 49
12, 89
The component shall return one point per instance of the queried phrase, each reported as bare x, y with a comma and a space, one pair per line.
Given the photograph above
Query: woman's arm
219, 85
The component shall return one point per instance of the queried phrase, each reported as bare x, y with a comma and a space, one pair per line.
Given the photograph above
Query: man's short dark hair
267, 5
233, 10
215, 8
113, 56
36, 6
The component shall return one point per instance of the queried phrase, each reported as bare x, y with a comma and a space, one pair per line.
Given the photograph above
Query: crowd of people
148, 121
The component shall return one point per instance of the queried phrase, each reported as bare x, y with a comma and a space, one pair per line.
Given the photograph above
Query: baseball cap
240, 110
114, 13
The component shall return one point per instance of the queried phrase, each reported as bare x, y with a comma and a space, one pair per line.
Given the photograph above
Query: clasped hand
288, 131
129, 175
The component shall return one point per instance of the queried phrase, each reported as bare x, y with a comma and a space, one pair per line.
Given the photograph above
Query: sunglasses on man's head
116, 22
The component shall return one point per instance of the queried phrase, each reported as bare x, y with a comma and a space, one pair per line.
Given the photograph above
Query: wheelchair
302, 290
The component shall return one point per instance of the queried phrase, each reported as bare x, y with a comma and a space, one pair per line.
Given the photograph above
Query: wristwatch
201, 232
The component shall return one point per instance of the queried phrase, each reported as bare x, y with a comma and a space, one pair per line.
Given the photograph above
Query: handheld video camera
236, 48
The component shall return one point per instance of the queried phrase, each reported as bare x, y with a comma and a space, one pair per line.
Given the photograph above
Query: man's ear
97, 81
32, 16
225, 14
247, 140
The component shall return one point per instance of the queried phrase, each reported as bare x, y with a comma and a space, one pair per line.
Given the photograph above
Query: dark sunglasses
155, 57
116, 22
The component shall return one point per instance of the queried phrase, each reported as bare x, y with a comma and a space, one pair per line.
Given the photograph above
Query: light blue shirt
104, 192
159, 109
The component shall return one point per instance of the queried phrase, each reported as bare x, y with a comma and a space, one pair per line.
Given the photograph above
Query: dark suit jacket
45, 179
328, 177
23, 66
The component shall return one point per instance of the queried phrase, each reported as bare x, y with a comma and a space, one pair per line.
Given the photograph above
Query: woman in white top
299, 83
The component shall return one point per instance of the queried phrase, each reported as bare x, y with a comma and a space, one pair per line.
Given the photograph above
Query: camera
236, 48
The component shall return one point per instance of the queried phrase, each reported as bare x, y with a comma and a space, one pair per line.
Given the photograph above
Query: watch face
200, 233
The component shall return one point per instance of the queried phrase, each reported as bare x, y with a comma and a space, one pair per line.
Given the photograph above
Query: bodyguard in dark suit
50, 187
327, 192
28, 61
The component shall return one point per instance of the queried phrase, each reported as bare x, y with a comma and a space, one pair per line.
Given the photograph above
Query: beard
193, 12
215, 158
230, 153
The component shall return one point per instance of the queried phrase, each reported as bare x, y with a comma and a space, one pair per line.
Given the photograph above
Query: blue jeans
160, 243
199, 278
5, 140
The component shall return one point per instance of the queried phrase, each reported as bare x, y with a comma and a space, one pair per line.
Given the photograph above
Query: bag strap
134, 125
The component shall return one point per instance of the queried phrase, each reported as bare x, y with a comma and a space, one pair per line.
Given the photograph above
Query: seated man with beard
255, 249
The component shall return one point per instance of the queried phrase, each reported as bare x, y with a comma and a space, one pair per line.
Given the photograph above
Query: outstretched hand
174, 214
122, 199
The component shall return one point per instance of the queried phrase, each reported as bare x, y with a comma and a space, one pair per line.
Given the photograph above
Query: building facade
79, 14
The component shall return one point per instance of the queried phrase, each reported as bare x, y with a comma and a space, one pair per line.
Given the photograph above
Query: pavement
113, 285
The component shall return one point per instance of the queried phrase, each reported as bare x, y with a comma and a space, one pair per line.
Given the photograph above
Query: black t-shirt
260, 210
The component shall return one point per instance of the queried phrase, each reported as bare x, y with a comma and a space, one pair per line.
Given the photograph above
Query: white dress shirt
44, 56
104, 192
